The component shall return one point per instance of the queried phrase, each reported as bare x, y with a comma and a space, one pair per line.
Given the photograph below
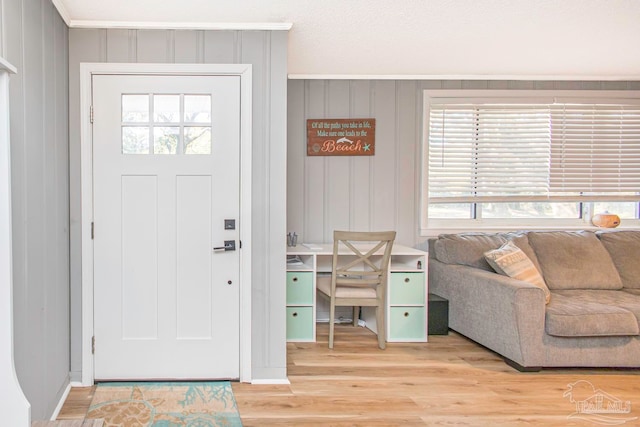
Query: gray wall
35, 41
379, 192
266, 51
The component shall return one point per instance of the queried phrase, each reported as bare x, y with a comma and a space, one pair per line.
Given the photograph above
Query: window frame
429, 227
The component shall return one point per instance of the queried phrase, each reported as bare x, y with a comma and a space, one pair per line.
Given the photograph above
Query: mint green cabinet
407, 324
406, 288
299, 288
407, 312
300, 324
300, 306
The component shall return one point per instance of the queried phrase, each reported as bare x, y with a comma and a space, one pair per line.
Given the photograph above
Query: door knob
229, 245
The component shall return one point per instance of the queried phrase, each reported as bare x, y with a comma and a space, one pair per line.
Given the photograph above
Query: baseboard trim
63, 398
271, 381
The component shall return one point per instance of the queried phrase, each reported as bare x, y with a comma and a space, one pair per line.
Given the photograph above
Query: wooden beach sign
341, 137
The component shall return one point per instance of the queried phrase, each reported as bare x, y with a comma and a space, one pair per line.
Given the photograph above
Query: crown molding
237, 26
248, 26
533, 77
62, 10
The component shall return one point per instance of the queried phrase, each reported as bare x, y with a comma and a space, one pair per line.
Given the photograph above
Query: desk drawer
299, 288
407, 324
406, 288
300, 324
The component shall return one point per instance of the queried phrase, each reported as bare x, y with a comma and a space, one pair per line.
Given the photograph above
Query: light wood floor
69, 423
448, 381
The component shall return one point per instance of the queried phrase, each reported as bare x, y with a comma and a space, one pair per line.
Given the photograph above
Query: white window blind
595, 149
535, 151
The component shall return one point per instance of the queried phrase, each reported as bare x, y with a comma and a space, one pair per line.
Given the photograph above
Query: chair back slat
356, 270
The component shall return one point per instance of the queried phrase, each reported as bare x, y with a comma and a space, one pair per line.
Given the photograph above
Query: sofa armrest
501, 313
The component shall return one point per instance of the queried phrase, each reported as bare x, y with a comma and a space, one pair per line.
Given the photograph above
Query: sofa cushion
624, 248
574, 260
467, 248
622, 298
585, 313
510, 260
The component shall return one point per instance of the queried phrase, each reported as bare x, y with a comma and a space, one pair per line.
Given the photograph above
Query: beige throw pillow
510, 260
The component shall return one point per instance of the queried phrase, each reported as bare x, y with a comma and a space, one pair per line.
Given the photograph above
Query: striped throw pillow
509, 260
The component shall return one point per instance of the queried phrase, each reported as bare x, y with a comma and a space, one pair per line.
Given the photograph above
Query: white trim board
487, 77
244, 71
64, 396
231, 26
85, 23
6, 66
62, 10
15, 408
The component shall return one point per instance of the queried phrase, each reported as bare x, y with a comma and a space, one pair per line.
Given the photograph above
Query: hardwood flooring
77, 403
448, 381
69, 423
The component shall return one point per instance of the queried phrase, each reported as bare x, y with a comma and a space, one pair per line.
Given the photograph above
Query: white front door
166, 153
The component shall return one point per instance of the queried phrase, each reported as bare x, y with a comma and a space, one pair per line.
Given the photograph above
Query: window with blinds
488, 152
529, 155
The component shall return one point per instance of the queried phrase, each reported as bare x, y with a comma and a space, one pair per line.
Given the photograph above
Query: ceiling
476, 39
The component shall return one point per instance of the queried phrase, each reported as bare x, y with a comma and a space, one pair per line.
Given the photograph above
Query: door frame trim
87, 70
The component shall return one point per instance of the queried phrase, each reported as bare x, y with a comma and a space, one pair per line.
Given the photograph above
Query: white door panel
165, 304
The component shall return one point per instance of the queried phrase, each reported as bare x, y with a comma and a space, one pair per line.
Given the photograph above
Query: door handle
229, 245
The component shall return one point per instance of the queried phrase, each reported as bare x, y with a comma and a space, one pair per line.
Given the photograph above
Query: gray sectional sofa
593, 315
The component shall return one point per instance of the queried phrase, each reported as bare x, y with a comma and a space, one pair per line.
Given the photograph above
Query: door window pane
197, 140
135, 108
165, 140
197, 109
174, 124
135, 140
166, 108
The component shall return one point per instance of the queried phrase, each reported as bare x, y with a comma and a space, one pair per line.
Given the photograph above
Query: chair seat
324, 285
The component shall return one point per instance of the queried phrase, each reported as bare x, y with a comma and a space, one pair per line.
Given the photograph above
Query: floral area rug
165, 404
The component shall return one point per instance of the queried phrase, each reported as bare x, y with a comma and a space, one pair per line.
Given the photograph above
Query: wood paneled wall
266, 51
379, 192
35, 41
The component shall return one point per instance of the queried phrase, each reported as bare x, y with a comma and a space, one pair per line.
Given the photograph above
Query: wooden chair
359, 276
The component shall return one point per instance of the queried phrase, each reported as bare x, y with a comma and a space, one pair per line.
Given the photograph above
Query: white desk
407, 291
